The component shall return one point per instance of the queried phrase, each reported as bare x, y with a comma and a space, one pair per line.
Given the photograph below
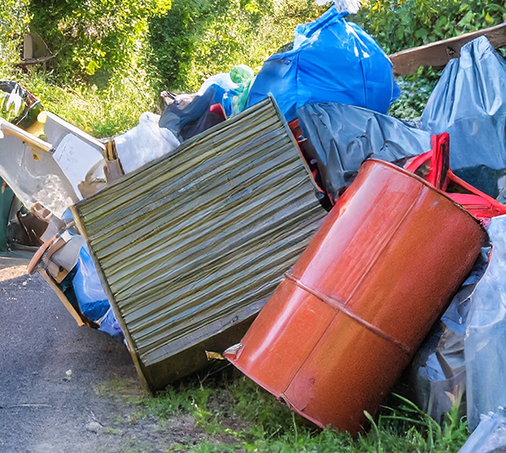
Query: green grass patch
239, 416
99, 112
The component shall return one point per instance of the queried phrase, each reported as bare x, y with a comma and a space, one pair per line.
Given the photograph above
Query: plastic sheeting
485, 345
469, 103
343, 136
489, 437
332, 60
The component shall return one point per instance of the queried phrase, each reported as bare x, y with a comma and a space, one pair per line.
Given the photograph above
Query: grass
99, 112
239, 416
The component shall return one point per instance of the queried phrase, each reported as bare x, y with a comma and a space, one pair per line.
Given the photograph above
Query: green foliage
199, 38
415, 92
401, 24
94, 37
14, 19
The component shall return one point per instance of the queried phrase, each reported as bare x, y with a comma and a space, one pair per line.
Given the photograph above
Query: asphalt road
51, 371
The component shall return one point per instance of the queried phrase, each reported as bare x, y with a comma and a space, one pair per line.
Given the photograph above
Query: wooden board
441, 52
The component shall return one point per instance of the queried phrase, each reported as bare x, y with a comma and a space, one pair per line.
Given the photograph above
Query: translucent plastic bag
92, 299
332, 60
485, 342
489, 437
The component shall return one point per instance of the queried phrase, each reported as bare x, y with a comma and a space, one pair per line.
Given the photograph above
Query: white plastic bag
144, 143
343, 6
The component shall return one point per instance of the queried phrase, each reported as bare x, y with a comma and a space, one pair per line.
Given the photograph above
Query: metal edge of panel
295, 144
129, 178
112, 301
194, 359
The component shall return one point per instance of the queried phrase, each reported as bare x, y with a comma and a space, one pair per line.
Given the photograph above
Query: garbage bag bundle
469, 103
235, 84
332, 60
342, 136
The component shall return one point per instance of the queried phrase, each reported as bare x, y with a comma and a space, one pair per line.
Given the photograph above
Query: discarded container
434, 167
6, 198
190, 246
27, 165
348, 318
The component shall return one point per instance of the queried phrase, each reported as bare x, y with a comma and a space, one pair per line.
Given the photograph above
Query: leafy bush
199, 38
401, 24
94, 37
14, 19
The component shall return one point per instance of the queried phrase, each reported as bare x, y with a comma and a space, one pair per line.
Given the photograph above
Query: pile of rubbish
287, 222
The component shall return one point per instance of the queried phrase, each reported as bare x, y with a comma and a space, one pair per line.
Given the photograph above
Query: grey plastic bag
485, 342
343, 136
469, 103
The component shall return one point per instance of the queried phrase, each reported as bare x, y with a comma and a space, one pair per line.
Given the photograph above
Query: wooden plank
441, 52
62, 297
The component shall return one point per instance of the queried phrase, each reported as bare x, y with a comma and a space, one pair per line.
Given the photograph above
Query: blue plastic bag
332, 60
90, 295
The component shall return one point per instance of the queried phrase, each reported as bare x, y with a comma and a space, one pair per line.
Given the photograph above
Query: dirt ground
69, 389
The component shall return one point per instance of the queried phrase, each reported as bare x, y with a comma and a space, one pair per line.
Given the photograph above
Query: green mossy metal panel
195, 242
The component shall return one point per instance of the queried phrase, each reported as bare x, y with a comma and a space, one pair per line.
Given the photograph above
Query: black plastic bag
186, 115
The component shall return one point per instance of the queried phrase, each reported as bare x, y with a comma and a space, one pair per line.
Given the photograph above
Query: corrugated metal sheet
196, 242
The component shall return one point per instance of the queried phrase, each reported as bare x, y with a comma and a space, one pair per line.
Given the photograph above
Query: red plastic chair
434, 167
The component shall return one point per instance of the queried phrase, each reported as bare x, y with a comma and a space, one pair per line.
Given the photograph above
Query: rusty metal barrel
349, 316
